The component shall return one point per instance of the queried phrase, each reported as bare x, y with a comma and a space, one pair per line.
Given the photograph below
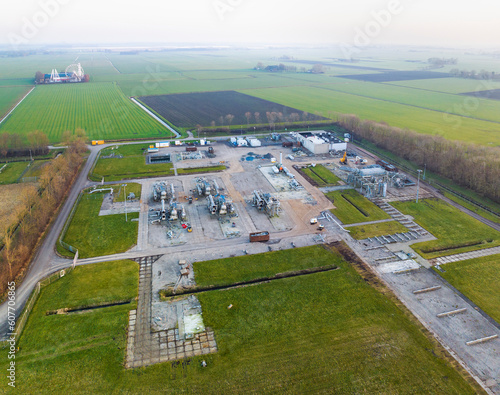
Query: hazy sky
361, 22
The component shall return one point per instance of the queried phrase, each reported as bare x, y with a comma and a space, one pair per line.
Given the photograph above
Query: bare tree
257, 117
229, 119
248, 115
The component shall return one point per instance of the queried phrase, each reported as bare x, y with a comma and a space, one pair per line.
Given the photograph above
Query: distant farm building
73, 73
320, 142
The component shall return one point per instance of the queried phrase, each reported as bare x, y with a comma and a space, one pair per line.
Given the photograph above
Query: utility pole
418, 181
125, 201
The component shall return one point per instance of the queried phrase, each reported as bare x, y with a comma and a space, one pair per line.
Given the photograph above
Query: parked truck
259, 236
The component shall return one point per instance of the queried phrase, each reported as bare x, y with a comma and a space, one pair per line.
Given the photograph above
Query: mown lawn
95, 235
328, 332
455, 231
352, 207
131, 165
12, 172
321, 175
378, 229
208, 169
248, 267
478, 280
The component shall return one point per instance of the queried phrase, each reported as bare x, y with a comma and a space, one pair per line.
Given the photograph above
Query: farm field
448, 85
98, 108
353, 208
378, 229
95, 235
327, 103
455, 231
393, 75
131, 165
11, 171
493, 94
9, 96
447, 103
341, 335
189, 110
475, 278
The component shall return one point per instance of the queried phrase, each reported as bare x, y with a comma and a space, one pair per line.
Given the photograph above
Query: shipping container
259, 236
191, 149
287, 144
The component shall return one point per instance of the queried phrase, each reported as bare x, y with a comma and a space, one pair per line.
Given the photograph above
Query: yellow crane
344, 158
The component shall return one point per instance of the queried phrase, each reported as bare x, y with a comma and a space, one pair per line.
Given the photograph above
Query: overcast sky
414, 22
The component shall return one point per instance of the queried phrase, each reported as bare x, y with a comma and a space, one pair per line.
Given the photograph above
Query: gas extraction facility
266, 203
218, 203
170, 210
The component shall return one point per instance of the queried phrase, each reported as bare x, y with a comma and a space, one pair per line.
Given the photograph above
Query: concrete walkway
145, 347
465, 255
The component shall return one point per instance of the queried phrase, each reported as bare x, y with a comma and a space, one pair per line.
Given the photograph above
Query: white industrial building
320, 142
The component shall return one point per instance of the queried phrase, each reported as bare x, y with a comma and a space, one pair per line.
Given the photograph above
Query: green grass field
378, 229
120, 191
11, 171
132, 165
249, 267
472, 207
99, 108
329, 332
95, 235
476, 279
455, 231
9, 96
318, 100
353, 208
208, 169
321, 175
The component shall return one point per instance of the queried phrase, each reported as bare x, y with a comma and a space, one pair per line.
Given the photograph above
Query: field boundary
28, 307
177, 134
19, 102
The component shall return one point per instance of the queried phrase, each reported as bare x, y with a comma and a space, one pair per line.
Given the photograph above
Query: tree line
469, 165
12, 145
474, 75
31, 217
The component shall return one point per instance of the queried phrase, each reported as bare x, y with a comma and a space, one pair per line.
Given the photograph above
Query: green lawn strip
326, 175
12, 172
95, 235
472, 207
352, 207
115, 169
378, 229
456, 232
132, 187
249, 267
328, 332
476, 279
195, 170
313, 176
